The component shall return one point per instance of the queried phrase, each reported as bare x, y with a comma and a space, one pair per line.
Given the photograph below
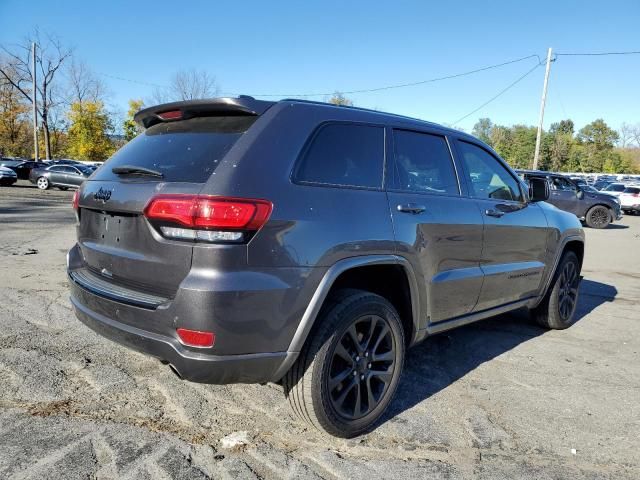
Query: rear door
515, 231
115, 238
437, 228
58, 174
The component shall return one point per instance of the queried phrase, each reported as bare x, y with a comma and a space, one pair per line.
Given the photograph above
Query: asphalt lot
498, 399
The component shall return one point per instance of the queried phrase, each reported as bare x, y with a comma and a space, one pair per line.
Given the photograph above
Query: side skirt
475, 316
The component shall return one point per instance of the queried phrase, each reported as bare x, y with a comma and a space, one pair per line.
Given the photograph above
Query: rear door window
183, 151
344, 154
423, 164
487, 178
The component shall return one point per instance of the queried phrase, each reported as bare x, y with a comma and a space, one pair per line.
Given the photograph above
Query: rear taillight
207, 218
76, 200
196, 338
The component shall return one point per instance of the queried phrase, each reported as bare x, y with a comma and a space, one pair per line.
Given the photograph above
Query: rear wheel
348, 372
557, 310
43, 183
598, 217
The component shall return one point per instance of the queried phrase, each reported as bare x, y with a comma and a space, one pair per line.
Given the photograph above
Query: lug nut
366, 354
369, 366
357, 358
355, 374
361, 377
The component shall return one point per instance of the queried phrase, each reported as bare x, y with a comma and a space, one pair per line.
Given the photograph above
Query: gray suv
594, 208
310, 245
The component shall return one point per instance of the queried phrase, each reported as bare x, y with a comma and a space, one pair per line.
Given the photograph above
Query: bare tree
186, 85
338, 98
16, 69
84, 85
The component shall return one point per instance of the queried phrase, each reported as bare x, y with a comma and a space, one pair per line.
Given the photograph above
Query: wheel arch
342, 275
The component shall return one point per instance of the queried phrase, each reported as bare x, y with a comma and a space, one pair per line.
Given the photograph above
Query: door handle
491, 212
411, 208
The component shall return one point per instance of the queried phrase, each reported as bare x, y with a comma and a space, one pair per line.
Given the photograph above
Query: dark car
60, 176
310, 245
7, 176
596, 209
23, 168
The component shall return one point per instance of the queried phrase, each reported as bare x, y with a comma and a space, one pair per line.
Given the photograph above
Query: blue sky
292, 47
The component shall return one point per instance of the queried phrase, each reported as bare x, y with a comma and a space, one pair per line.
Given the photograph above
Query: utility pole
542, 104
35, 108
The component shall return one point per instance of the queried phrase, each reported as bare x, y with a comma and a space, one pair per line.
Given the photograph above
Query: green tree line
594, 148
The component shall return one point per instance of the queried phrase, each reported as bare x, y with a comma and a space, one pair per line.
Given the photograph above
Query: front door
564, 194
515, 231
436, 227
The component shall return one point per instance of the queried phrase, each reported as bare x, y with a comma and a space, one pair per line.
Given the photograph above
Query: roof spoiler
242, 105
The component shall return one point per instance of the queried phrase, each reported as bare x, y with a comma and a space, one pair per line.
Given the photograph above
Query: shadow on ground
442, 359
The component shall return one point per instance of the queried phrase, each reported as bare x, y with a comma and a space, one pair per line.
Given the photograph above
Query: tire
43, 183
598, 216
557, 310
330, 373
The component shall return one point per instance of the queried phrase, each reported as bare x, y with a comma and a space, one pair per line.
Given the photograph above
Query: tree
15, 127
16, 69
565, 127
83, 84
186, 85
129, 126
598, 140
88, 135
482, 130
339, 99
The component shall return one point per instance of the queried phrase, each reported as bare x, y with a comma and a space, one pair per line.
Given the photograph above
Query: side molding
311, 313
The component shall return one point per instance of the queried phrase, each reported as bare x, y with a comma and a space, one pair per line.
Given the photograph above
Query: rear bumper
189, 365
254, 315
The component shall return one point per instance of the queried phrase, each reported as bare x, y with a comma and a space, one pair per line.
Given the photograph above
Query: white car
630, 200
614, 189
7, 176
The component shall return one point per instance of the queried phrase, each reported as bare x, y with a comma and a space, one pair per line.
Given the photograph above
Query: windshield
183, 151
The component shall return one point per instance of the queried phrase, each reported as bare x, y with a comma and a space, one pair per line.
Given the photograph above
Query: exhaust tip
175, 370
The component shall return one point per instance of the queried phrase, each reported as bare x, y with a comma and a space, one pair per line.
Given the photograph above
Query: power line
410, 84
367, 90
596, 54
513, 84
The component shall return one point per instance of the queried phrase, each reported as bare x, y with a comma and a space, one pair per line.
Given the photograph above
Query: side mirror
579, 194
538, 189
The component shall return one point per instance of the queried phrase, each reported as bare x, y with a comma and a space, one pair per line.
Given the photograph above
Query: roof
246, 105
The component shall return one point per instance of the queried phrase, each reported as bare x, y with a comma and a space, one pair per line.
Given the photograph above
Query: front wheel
598, 217
557, 310
43, 183
348, 372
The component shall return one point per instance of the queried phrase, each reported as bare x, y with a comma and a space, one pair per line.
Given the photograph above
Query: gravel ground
498, 399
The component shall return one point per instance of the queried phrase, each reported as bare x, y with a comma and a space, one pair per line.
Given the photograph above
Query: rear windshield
183, 151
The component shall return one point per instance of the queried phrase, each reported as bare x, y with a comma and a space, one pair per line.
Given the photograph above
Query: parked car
614, 189
7, 177
23, 168
601, 184
596, 209
60, 176
630, 200
247, 241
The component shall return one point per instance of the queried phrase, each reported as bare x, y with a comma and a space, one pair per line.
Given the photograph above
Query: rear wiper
133, 170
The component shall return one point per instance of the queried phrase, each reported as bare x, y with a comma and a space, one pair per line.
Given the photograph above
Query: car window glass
487, 178
344, 154
423, 163
559, 183
56, 169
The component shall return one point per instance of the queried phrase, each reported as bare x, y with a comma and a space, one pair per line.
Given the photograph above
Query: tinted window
559, 183
344, 154
487, 178
632, 190
183, 151
423, 163
615, 187
58, 169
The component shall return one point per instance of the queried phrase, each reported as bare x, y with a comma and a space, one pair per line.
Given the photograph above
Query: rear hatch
176, 156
